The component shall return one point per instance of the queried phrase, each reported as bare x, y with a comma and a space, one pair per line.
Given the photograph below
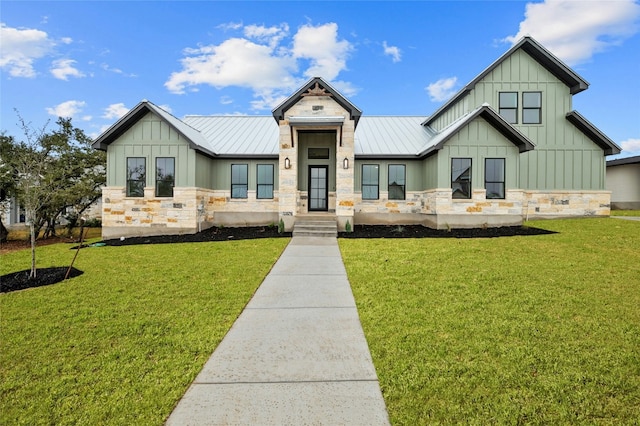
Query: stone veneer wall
437, 209
552, 204
188, 211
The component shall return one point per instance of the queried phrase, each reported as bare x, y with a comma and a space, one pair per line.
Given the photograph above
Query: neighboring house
623, 180
508, 146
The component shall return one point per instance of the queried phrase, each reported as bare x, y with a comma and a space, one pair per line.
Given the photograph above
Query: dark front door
318, 188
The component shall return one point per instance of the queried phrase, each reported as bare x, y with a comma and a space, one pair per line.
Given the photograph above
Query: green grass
537, 329
625, 213
121, 343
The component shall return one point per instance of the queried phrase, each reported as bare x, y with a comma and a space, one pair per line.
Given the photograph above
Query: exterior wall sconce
345, 163
287, 163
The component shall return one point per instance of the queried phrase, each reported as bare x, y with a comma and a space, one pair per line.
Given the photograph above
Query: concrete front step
315, 228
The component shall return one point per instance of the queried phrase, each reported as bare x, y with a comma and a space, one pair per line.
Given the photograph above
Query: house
507, 147
623, 180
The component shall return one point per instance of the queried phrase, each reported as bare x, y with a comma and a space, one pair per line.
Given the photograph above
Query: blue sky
93, 61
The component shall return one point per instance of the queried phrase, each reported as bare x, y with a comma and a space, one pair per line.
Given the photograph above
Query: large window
265, 181
494, 177
531, 108
136, 176
165, 176
461, 177
370, 181
508, 106
397, 181
239, 180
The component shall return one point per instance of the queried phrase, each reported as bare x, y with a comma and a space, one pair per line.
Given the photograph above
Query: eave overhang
624, 161
488, 114
136, 114
593, 133
545, 58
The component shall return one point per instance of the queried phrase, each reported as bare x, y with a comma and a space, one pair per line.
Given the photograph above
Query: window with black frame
165, 176
494, 177
531, 108
136, 176
239, 180
370, 181
508, 106
264, 188
397, 186
461, 178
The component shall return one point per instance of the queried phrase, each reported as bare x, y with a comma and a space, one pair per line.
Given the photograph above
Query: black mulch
46, 276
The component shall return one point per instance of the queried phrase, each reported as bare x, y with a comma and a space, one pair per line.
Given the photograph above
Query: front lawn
534, 329
121, 343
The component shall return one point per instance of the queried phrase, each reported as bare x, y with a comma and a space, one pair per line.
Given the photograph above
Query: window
370, 181
239, 180
508, 106
136, 176
531, 108
397, 181
494, 177
265, 181
165, 176
318, 153
461, 178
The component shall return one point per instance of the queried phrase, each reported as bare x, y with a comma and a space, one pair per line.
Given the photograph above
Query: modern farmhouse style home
506, 147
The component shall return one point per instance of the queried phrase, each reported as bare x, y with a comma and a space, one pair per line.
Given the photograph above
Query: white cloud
115, 111
266, 60
442, 89
321, 46
575, 30
20, 48
631, 146
67, 109
62, 69
270, 35
392, 51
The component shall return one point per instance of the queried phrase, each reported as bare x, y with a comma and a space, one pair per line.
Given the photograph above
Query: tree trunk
32, 275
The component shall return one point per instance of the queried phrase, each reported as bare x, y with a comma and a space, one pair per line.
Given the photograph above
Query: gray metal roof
391, 136
238, 135
193, 137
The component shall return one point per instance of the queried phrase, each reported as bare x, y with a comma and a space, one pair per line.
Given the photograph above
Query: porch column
345, 177
288, 182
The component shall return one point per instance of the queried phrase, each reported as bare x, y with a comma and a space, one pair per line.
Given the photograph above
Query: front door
318, 188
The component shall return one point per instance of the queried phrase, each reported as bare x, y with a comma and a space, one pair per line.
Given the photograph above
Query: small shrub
347, 226
281, 226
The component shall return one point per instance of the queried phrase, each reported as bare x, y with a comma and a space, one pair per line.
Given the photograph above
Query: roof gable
486, 112
535, 50
593, 133
195, 140
317, 87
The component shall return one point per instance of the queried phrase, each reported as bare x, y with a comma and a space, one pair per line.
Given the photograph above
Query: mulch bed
47, 276
44, 276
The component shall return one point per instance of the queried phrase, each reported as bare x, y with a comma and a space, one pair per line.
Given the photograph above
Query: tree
50, 172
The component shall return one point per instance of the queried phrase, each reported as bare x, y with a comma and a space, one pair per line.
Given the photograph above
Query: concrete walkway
296, 355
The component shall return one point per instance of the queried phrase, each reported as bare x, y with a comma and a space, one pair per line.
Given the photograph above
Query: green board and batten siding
478, 140
151, 138
582, 162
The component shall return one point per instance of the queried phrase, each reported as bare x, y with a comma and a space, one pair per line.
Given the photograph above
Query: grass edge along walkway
121, 343
537, 329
